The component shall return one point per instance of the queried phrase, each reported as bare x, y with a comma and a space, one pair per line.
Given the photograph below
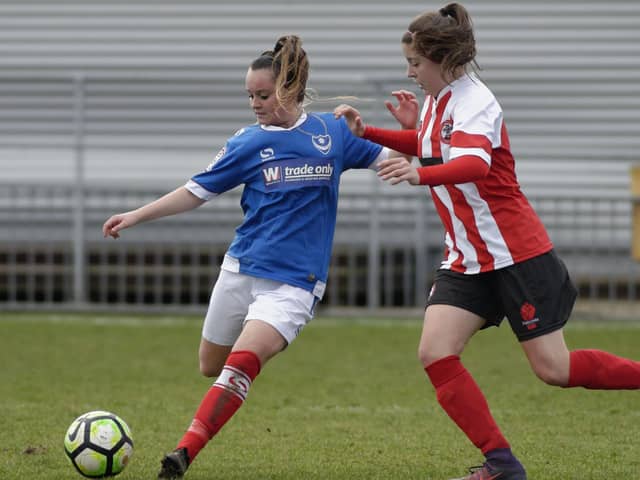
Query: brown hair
290, 66
444, 37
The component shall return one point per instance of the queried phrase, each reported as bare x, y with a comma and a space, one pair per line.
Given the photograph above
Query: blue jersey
290, 197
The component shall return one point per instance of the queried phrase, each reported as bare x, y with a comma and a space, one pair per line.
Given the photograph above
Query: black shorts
536, 295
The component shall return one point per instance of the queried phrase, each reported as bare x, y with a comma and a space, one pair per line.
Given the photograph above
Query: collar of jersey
272, 128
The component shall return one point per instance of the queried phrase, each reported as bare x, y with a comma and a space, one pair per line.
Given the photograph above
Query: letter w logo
271, 174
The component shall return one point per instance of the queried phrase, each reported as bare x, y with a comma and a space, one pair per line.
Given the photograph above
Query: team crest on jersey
322, 143
445, 131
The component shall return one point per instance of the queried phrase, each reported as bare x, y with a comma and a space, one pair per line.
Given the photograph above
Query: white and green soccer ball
99, 444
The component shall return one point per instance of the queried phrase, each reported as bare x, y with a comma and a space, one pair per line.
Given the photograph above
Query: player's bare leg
212, 357
554, 364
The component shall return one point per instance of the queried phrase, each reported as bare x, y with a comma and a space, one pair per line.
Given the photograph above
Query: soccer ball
99, 444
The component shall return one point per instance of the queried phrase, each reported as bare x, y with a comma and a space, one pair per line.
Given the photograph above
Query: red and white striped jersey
489, 223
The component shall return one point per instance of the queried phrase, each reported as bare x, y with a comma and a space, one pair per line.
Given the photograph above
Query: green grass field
347, 400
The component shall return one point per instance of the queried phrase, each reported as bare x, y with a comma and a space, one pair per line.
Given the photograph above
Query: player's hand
114, 224
353, 118
398, 169
407, 110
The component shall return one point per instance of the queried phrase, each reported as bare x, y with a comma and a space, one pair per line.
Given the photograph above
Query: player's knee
432, 351
208, 369
551, 375
427, 354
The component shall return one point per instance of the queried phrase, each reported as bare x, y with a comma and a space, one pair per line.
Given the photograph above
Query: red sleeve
467, 168
403, 141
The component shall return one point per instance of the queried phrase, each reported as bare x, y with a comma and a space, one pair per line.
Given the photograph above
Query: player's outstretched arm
353, 118
178, 201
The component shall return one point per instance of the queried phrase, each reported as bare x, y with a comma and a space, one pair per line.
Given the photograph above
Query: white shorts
237, 298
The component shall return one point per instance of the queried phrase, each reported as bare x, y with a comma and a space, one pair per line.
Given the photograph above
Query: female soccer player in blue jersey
275, 270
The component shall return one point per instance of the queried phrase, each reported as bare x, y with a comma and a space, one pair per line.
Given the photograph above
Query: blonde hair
290, 66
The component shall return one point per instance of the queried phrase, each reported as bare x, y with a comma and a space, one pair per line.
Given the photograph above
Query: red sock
221, 401
600, 370
461, 398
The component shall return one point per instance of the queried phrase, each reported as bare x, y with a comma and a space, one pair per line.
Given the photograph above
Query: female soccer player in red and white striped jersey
499, 261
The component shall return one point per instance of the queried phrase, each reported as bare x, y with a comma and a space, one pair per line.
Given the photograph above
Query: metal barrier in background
388, 242
386, 249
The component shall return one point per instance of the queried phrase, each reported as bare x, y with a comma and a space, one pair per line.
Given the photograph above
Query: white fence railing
387, 248
66, 149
